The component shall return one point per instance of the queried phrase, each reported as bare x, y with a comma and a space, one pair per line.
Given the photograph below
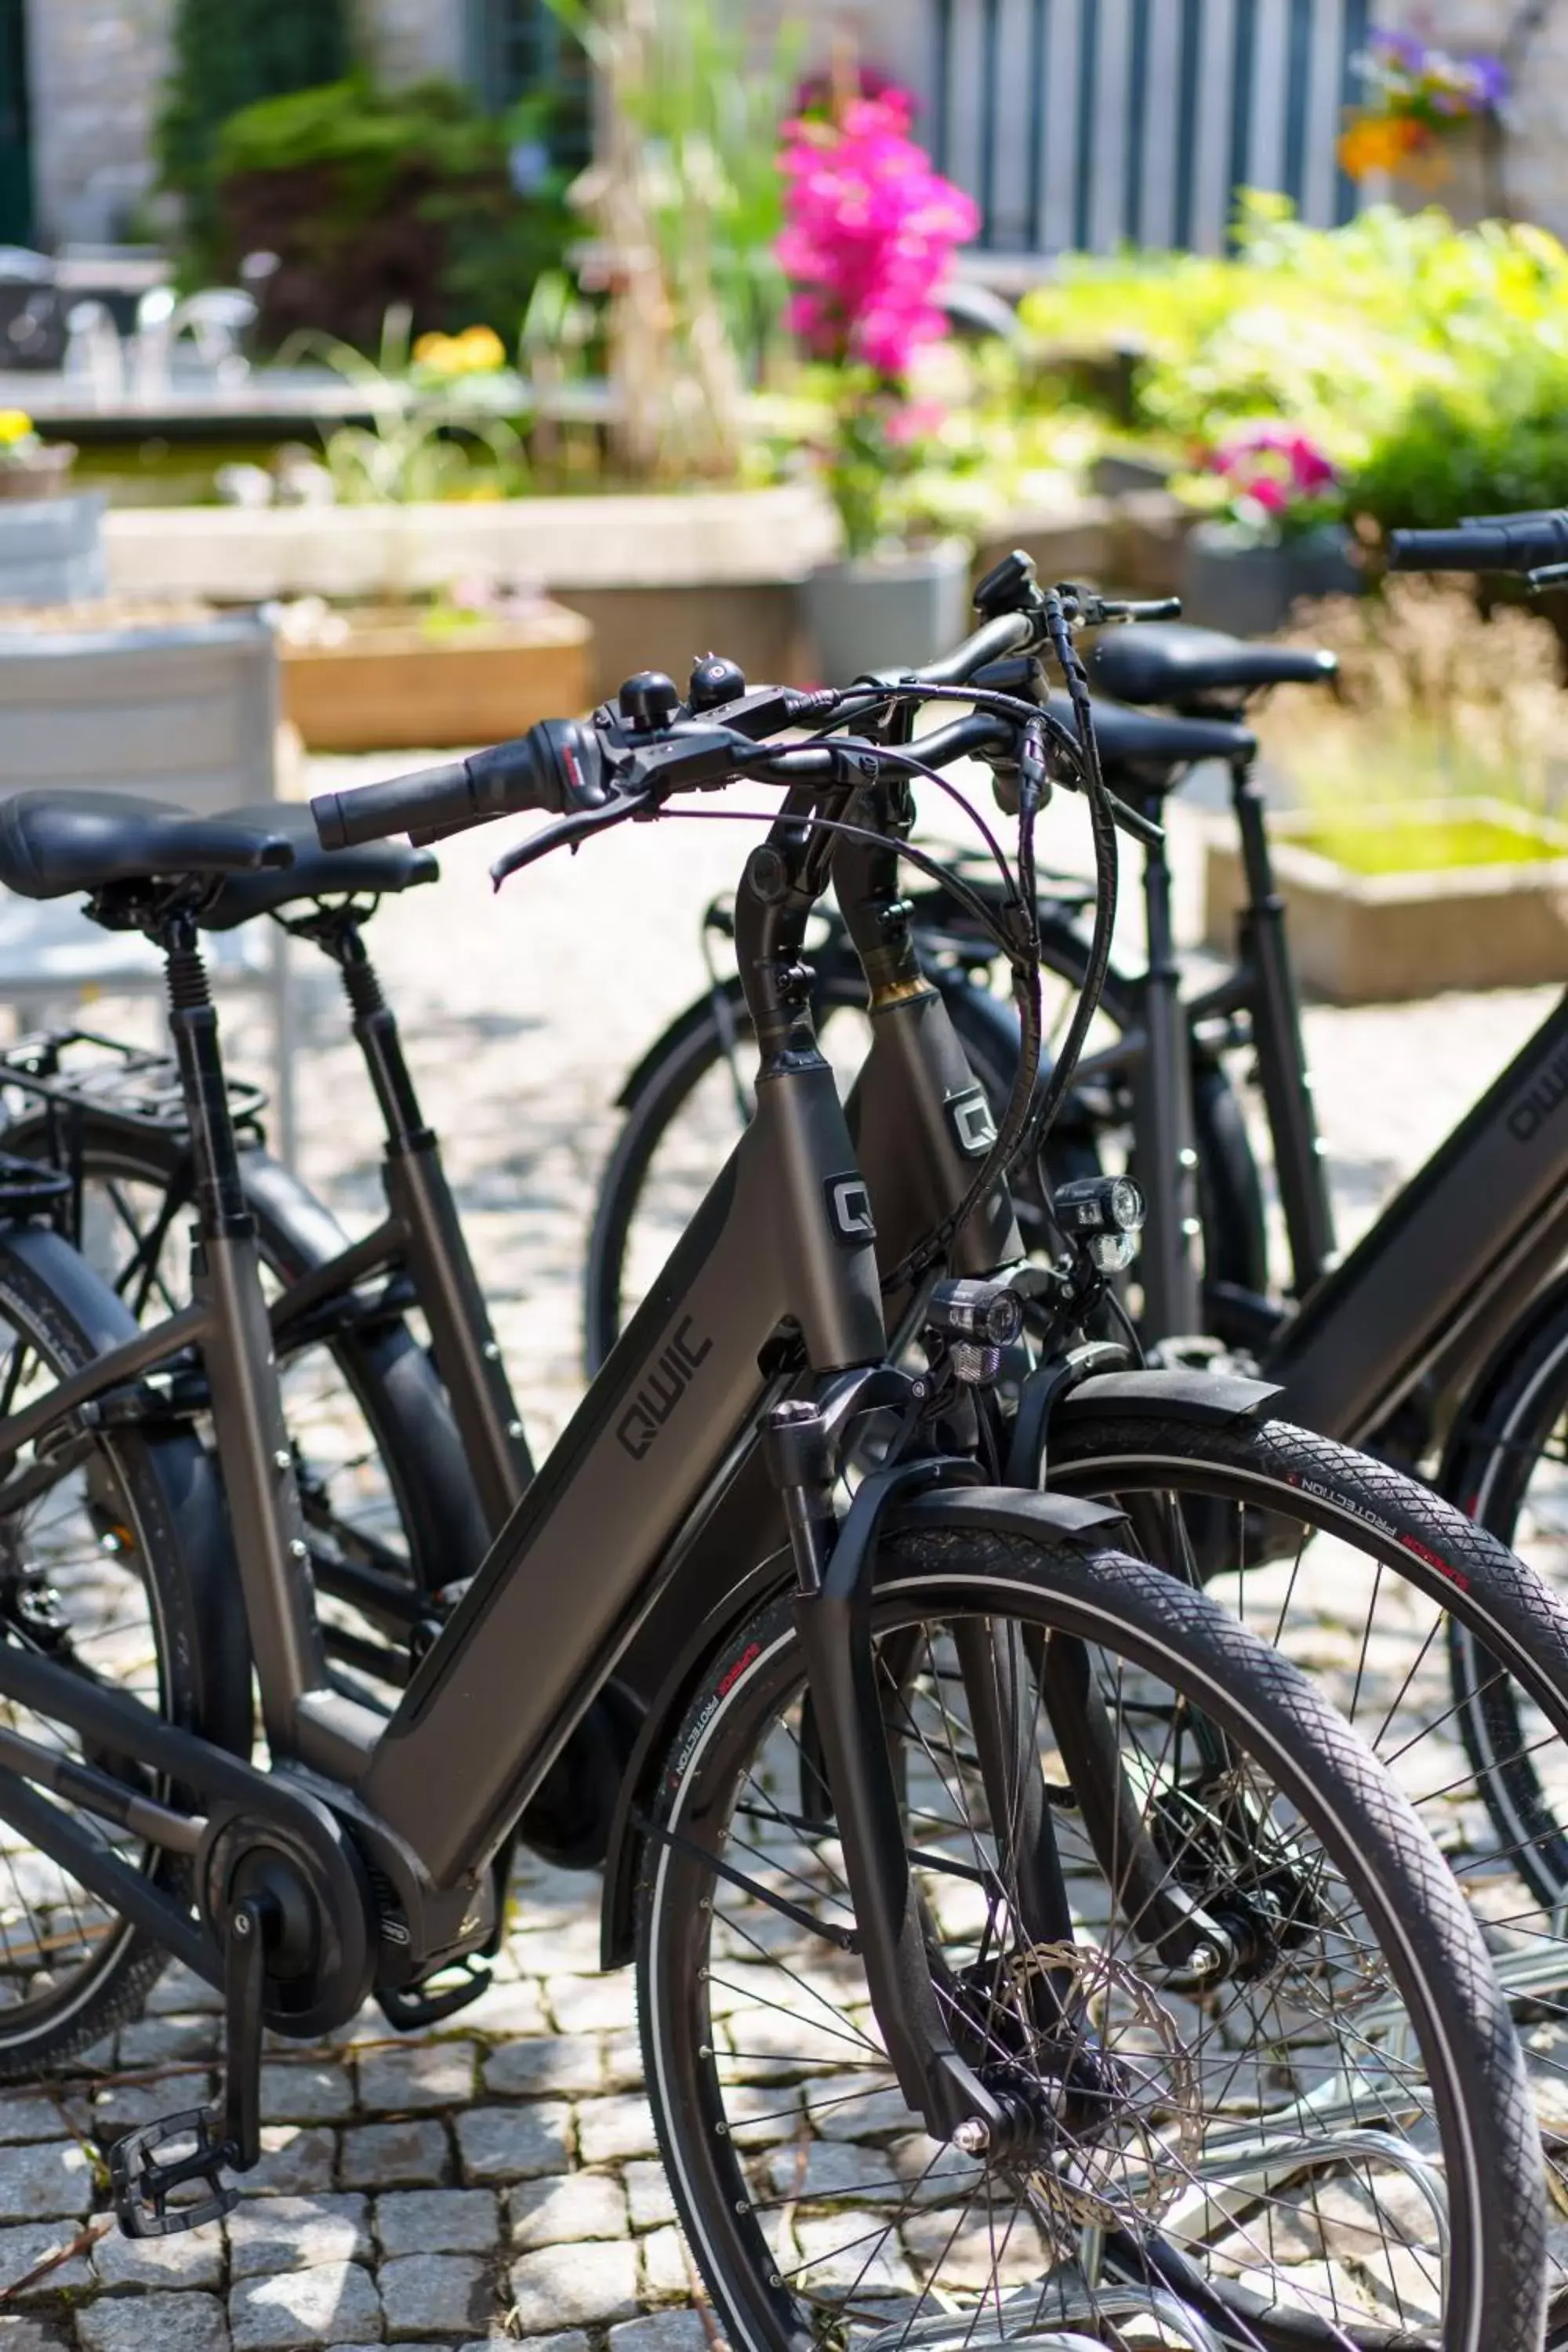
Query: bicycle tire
1499, 1445
717, 2156
173, 1545
1230, 1200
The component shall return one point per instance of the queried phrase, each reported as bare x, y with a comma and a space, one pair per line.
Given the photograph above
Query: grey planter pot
1229, 583
886, 612
185, 713
51, 549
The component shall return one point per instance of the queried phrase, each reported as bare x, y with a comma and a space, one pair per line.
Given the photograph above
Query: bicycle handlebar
1518, 542
553, 767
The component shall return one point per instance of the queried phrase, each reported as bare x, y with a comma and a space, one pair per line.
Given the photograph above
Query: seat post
263, 1493
1274, 1006
377, 1035
1164, 1157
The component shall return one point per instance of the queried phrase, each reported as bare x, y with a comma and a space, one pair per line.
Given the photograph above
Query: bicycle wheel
1374, 1585
687, 1103
1329, 2143
114, 1559
390, 1507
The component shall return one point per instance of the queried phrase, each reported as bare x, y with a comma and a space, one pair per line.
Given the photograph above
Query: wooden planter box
1371, 939
393, 687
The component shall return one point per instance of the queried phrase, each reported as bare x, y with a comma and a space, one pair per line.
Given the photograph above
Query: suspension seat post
193, 1024
378, 1037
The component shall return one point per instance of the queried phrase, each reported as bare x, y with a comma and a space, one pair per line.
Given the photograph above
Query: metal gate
15, 160
1085, 124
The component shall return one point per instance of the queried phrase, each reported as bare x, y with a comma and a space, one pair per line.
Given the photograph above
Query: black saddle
54, 843
1147, 749
369, 871
1166, 661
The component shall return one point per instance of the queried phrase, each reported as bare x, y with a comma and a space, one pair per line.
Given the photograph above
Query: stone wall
1535, 153
96, 70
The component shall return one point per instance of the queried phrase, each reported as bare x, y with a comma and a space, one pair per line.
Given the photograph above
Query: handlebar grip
1514, 544
553, 767
430, 797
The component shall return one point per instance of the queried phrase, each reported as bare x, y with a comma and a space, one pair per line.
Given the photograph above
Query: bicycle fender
1208, 1400
969, 1506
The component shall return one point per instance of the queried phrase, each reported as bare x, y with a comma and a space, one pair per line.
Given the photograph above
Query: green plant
436, 434
372, 198
1434, 702
227, 54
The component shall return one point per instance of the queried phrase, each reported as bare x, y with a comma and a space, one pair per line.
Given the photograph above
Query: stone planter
1229, 582
51, 549
183, 710
391, 686
1371, 939
44, 475
886, 612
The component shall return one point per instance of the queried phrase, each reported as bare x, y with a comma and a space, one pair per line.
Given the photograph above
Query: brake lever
568, 833
1550, 575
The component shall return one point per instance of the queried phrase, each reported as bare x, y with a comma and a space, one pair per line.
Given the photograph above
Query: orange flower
1384, 143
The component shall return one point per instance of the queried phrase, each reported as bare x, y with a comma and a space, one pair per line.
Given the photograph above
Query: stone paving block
126, 2107
193, 2258
534, 2069
28, 2115
22, 2250
573, 2341
587, 2286
662, 2331
443, 2294
180, 1992
43, 2180
167, 2041
514, 2143
567, 1947
335, 2302
622, 2060
394, 2156
296, 2162
154, 2323
578, 2206
647, 2193
437, 2221
609, 2130
590, 2004
667, 2276
268, 2235
22, 2333
306, 2094
434, 2074
509, 2009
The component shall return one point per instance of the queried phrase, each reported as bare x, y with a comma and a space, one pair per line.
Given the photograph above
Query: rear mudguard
968, 1509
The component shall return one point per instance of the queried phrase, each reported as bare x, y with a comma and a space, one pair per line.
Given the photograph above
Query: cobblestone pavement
498, 2176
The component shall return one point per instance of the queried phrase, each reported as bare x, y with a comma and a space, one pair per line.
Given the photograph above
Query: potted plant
1274, 530
1430, 126
30, 467
871, 230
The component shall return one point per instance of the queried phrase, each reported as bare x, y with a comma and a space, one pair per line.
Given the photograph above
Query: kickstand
227, 2138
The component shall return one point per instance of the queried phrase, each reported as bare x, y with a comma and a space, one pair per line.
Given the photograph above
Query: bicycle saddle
53, 844
1151, 744
374, 868
1167, 661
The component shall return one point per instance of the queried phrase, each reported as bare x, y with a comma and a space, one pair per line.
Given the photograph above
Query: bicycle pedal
408, 2008
142, 2182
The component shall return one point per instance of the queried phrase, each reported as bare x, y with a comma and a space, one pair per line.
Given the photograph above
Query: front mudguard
963, 1505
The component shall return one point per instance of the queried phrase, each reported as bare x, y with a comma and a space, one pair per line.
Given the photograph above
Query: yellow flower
482, 348
1380, 142
16, 425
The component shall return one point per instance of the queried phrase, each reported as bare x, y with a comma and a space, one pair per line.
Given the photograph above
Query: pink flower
915, 421
869, 234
